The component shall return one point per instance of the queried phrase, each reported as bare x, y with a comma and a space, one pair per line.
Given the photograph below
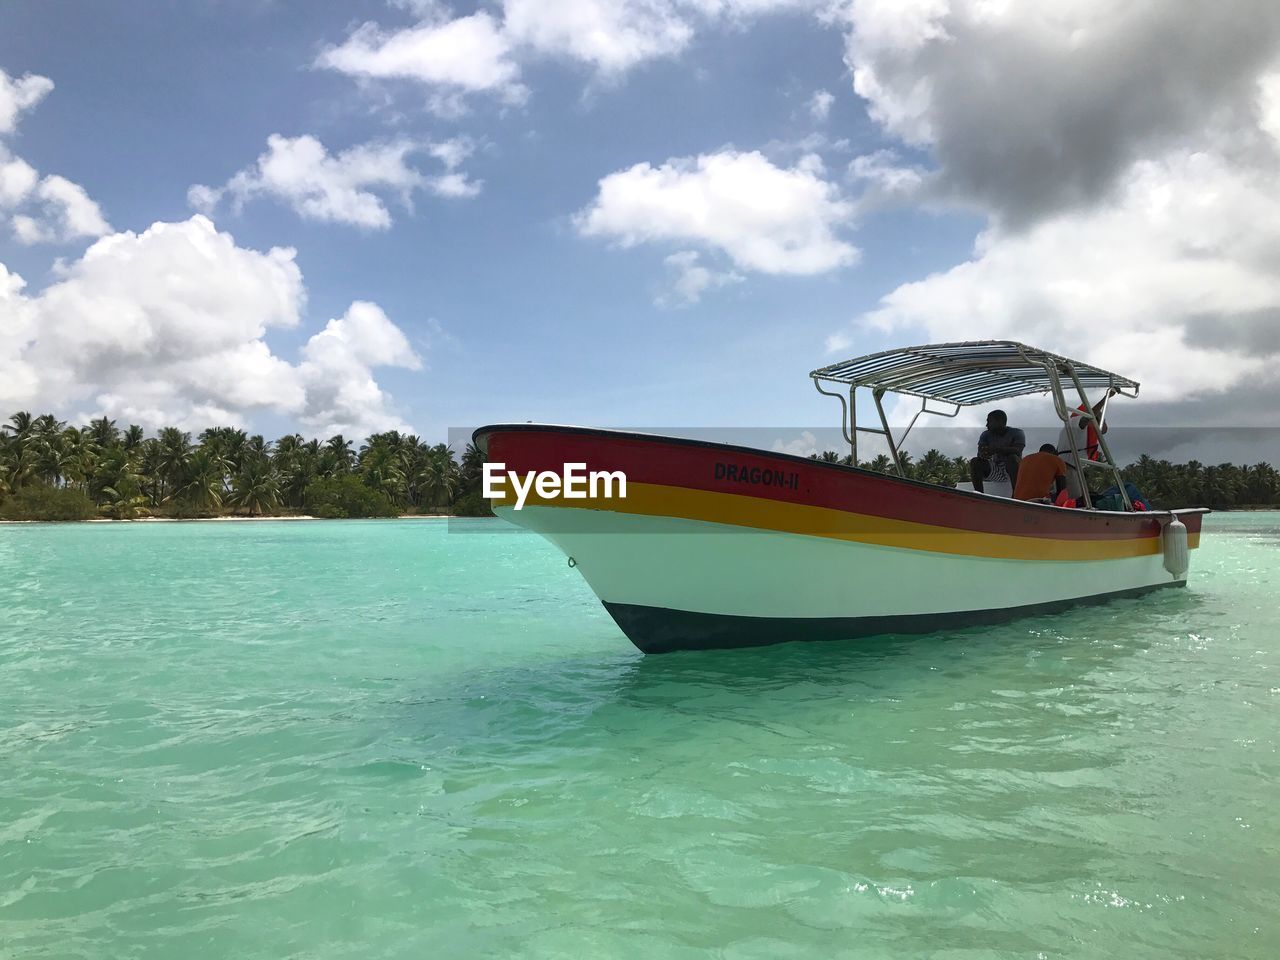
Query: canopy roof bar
980, 371
965, 374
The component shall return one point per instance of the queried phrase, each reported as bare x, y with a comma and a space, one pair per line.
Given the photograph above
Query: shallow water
395, 739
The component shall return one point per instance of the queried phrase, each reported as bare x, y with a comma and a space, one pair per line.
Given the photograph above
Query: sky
662, 214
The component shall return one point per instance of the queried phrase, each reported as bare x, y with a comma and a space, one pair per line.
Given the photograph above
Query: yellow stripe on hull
657, 500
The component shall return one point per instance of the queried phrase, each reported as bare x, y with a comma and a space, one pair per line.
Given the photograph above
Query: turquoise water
393, 739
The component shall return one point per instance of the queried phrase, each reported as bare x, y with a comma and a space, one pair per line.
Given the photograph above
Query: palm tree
908, 468
1260, 483
340, 450
382, 471
81, 455
438, 478
175, 455
20, 424
935, 467
133, 437
123, 500
470, 470
8, 450
151, 457
296, 463
114, 470
287, 446
103, 432
54, 458
47, 425
413, 460
203, 486
256, 486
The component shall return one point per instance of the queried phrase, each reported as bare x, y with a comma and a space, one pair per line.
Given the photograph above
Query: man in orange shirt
1039, 472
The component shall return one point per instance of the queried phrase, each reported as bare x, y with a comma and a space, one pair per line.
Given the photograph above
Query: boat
714, 545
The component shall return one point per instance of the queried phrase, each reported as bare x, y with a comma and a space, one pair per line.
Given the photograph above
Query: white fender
1174, 540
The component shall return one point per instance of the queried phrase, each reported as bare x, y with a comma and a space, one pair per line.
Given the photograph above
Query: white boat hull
710, 580
718, 546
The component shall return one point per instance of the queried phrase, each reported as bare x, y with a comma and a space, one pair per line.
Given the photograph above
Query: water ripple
386, 740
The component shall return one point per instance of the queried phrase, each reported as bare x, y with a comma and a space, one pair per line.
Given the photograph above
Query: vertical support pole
847, 416
1086, 416
1060, 402
888, 434
853, 424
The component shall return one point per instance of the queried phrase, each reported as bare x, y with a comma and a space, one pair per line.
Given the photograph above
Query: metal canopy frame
966, 374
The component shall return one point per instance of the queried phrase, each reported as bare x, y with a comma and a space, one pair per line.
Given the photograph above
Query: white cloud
18, 95
469, 54
839, 342
341, 188
811, 143
18, 378
820, 105
1269, 105
609, 35
453, 183
478, 53
764, 218
51, 209
452, 153
169, 326
1175, 284
67, 213
17, 180
884, 171
804, 445
691, 279
336, 372
424, 9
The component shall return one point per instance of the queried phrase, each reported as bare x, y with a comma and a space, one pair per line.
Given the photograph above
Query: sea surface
427, 740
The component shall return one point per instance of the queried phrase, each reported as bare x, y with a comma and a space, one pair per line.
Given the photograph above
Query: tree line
50, 470
1164, 484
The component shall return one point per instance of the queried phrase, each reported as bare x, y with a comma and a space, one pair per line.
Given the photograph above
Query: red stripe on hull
700, 465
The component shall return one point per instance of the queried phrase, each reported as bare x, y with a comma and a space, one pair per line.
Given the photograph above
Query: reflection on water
1256, 527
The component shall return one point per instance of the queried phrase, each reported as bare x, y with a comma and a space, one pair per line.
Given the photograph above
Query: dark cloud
1029, 113
1253, 332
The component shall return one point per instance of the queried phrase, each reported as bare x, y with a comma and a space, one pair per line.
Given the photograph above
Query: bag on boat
1112, 496
1109, 501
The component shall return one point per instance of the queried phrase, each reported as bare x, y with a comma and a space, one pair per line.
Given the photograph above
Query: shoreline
406, 516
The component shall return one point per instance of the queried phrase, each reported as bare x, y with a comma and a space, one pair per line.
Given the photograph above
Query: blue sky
536, 295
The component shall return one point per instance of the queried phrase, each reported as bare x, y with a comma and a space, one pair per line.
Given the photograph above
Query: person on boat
1041, 475
1087, 444
999, 452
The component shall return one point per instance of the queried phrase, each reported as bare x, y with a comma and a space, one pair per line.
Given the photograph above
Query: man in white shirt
1086, 444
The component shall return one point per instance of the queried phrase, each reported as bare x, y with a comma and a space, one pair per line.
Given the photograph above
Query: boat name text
575, 482
741, 473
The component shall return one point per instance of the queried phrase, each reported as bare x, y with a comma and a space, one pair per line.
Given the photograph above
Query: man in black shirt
999, 452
